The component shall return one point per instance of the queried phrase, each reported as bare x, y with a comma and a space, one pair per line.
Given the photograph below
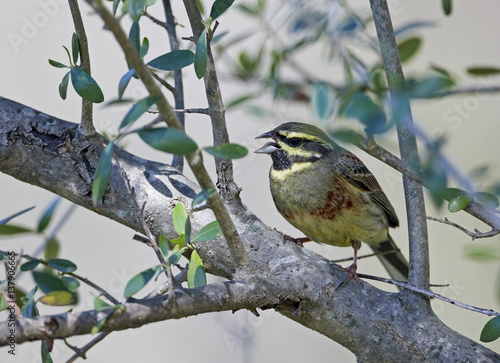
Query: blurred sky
104, 250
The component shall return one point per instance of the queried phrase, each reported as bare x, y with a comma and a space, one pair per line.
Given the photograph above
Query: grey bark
375, 325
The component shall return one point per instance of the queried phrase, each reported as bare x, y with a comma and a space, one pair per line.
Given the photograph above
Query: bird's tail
392, 259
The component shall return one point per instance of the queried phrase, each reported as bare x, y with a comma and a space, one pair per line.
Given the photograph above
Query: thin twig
86, 125
203, 111
474, 235
425, 292
365, 256
164, 83
80, 352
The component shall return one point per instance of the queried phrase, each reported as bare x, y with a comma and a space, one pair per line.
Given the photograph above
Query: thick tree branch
414, 196
296, 282
86, 125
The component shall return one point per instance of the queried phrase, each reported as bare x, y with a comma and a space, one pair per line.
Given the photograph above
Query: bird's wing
357, 174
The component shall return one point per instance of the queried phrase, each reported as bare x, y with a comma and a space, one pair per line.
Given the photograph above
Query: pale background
105, 252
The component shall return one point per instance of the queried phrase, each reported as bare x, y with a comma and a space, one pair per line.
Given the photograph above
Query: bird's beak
268, 148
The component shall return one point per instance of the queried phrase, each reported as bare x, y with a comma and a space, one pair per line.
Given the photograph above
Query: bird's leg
354, 266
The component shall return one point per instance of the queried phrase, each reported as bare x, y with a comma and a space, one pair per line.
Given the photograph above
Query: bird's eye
294, 142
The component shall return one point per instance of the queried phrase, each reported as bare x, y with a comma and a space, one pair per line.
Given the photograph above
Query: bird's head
295, 142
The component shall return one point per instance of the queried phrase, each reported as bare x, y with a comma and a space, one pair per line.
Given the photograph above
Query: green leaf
63, 86
196, 273
9, 229
208, 232
115, 6
57, 64
47, 282
322, 101
227, 151
176, 255
75, 47
102, 173
483, 253
138, 110
451, 193
482, 71
408, 48
219, 7
71, 283
144, 47
181, 240
30, 265
168, 140
362, 107
3, 303
447, 6
62, 265
140, 280
124, 81
491, 330
487, 200
179, 218
173, 61
135, 9
47, 215
459, 203
29, 309
85, 85
52, 249
202, 196
46, 358
2, 256
135, 36
163, 244
200, 55
100, 304
5, 220
58, 298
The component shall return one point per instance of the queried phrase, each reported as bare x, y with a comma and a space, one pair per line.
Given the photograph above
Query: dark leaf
491, 330
138, 110
447, 6
9, 229
202, 197
362, 107
140, 280
63, 86
52, 249
483, 71
173, 60
5, 220
176, 255
135, 36
322, 101
57, 64
124, 81
219, 7
115, 6
459, 203
62, 265
58, 298
408, 48
75, 47
135, 9
208, 232
47, 282
196, 273
30, 265
46, 217
168, 140
102, 173
200, 55
227, 151
85, 85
